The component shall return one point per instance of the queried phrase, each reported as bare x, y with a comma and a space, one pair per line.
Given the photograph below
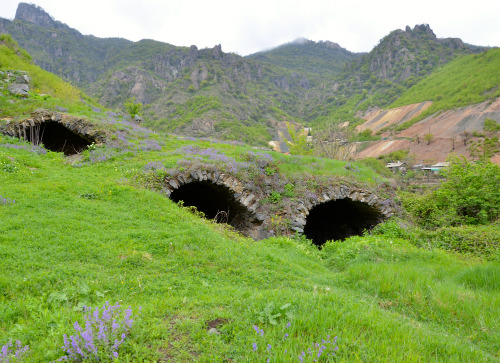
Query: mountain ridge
211, 93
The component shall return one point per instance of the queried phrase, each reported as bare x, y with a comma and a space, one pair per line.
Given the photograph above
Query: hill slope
210, 93
80, 231
472, 82
379, 78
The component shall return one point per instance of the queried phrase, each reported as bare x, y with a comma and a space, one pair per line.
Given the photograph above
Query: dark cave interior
215, 201
338, 220
56, 137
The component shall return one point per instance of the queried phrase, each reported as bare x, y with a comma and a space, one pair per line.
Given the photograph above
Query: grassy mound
78, 234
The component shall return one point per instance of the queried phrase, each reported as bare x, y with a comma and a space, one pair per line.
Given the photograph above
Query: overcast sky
254, 25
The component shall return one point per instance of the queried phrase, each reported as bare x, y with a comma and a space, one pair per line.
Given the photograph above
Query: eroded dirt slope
446, 127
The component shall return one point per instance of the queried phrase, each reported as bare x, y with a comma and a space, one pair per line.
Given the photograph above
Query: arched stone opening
56, 137
216, 202
339, 219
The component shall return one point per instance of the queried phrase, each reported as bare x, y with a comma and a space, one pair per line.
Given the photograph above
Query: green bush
470, 195
482, 241
133, 108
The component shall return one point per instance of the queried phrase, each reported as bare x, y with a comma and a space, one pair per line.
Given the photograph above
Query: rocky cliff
207, 92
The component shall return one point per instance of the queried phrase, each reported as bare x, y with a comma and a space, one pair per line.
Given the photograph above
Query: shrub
490, 125
133, 108
470, 195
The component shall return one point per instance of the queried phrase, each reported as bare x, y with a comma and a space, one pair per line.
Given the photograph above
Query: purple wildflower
103, 327
16, 353
37, 149
254, 345
4, 201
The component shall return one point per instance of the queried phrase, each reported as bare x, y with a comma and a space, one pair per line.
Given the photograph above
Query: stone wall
77, 125
260, 224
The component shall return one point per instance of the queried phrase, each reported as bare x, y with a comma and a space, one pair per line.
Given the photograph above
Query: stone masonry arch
57, 132
340, 212
221, 197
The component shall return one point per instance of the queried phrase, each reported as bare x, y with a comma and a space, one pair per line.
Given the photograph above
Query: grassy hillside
464, 81
83, 231
46, 89
81, 234
14, 58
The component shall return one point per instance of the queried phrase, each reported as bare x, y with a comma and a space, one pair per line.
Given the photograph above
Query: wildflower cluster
213, 141
101, 336
61, 109
223, 161
101, 154
37, 149
149, 145
4, 200
119, 141
264, 161
7, 355
154, 166
317, 352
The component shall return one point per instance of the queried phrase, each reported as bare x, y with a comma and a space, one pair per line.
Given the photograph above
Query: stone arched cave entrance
216, 202
56, 137
339, 219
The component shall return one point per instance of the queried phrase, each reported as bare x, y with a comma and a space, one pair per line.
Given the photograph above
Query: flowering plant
8, 356
101, 336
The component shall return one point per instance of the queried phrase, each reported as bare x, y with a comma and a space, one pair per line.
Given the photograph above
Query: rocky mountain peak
421, 30
331, 45
34, 14
217, 51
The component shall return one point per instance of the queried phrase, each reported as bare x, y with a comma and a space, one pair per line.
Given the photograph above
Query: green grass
467, 80
79, 232
75, 231
14, 58
46, 89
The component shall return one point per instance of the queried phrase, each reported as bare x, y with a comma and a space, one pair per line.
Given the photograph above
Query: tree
470, 195
471, 191
428, 137
299, 144
133, 108
466, 136
334, 143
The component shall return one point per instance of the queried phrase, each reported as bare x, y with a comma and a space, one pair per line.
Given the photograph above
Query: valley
144, 216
